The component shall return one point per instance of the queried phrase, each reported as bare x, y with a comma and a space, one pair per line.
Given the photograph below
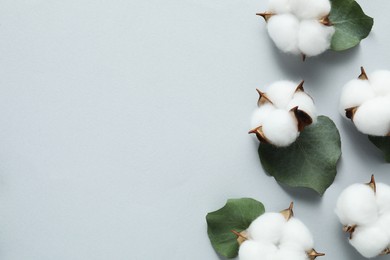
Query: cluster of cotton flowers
300, 26
277, 236
364, 210
284, 109
366, 101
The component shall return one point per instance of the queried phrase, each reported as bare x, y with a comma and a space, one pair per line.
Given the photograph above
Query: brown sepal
363, 75
372, 183
350, 230
300, 87
350, 112
325, 21
259, 134
262, 98
313, 254
302, 117
266, 15
288, 213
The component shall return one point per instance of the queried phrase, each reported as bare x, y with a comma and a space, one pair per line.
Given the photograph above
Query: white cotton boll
253, 250
383, 197
281, 93
305, 103
311, 9
280, 128
283, 30
296, 233
260, 114
288, 253
373, 117
380, 82
249, 250
279, 6
384, 223
268, 227
370, 241
356, 205
314, 38
355, 93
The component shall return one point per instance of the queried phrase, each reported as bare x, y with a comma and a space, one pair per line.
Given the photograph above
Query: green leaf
350, 22
383, 143
310, 161
237, 215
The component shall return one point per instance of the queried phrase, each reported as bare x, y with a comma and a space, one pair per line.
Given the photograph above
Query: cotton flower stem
265, 15
240, 236
288, 213
313, 254
372, 183
262, 98
363, 75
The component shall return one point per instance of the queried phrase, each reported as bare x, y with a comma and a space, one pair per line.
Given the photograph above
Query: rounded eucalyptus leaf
350, 22
383, 143
236, 215
310, 161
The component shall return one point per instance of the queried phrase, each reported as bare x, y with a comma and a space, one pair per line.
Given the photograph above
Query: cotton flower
277, 236
299, 26
366, 101
284, 109
364, 210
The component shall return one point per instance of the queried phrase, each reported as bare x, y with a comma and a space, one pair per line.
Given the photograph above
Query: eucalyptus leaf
383, 143
237, 215
350, 22
310, 161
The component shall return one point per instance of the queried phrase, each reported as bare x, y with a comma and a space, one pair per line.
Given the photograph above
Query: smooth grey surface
124, 122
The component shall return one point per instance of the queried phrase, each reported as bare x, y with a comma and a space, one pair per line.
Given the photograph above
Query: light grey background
123, 122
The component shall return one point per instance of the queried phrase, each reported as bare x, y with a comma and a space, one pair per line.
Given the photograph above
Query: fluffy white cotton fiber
284, 30
279, 6
278, 123
289, 254
297, 27
295, 232
370, 99
268, 227
314, 37
311, 9
367, 212
382, 196
373, 116
355, 93
280, 128
255, 250
356, 205
380, 81
281, 93
260, 114
274, 237
369, 240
